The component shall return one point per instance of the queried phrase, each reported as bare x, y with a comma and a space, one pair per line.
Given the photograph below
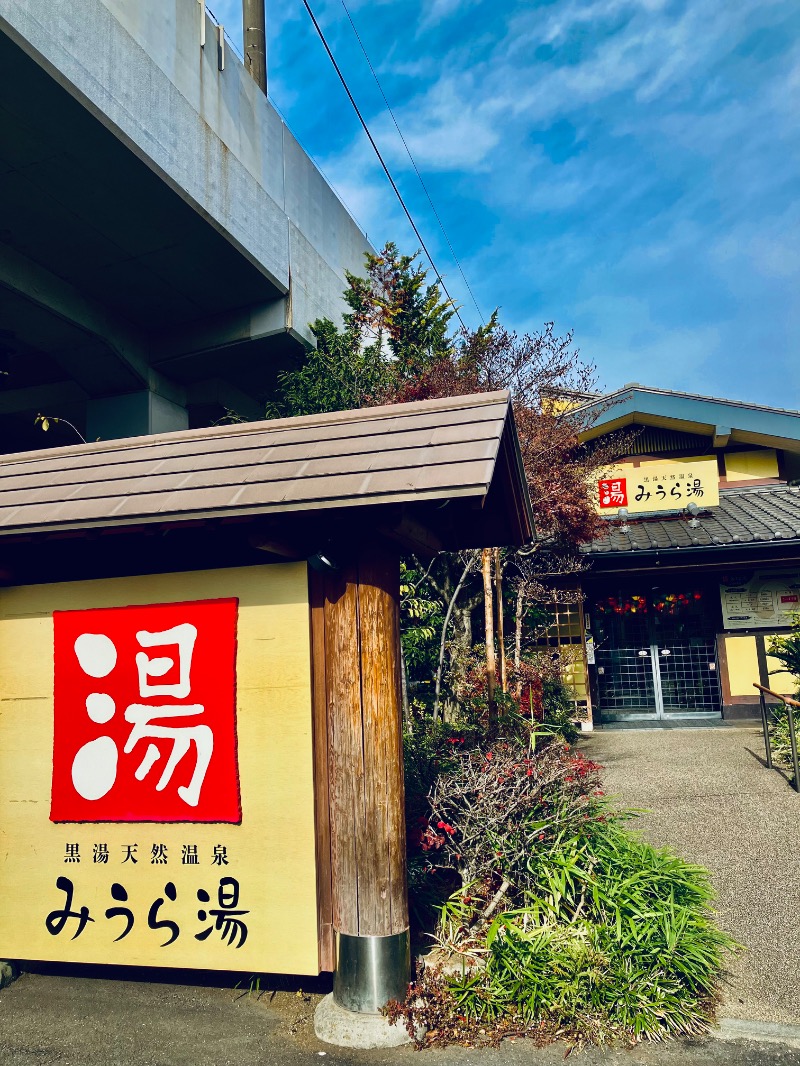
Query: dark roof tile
761, 514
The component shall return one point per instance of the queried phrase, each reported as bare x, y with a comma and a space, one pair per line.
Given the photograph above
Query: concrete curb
764, 1032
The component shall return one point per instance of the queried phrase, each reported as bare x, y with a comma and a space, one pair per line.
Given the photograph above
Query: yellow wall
751, 466
573, 670
742, 665
271, 852
782, 683
743, 669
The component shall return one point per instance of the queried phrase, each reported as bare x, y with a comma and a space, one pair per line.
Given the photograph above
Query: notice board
156, 772
766, 599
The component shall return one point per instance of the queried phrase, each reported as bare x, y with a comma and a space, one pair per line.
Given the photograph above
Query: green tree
395, 331
396, 344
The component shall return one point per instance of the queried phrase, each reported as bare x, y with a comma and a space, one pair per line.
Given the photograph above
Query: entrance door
655, 658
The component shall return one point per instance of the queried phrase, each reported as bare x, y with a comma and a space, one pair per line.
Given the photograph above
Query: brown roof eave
414, 455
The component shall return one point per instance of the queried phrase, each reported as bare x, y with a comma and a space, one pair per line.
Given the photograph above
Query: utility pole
255, 41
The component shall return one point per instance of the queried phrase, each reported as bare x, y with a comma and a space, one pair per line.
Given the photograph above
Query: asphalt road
78, 1021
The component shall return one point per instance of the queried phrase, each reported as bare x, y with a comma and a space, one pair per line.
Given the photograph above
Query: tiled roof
432, 450
743, 404
744, 516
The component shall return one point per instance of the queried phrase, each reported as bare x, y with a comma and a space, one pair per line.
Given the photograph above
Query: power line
413, 162
381, 160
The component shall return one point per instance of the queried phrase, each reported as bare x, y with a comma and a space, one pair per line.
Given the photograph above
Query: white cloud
444, 129
658, 225
439, 10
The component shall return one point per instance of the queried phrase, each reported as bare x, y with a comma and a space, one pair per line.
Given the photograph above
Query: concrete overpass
164, 240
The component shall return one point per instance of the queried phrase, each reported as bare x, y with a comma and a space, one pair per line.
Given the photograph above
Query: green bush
787, 650
779, 735
565, 921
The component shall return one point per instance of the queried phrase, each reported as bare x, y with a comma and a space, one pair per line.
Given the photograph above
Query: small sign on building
762, 600
658, 486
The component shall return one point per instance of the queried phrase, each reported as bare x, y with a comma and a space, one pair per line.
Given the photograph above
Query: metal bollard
765, 725
371, 971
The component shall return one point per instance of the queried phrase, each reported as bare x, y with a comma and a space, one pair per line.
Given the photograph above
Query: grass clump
565, 923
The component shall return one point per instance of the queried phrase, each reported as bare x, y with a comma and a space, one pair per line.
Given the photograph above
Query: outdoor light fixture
693, 510
622, 514
322, 563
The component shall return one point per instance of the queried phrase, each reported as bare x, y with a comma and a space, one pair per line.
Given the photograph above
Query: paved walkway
709, 798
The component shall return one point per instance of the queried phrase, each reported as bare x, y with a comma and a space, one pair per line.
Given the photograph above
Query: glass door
655, 657
626, 680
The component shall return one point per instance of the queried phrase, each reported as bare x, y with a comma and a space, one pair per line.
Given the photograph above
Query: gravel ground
707, 795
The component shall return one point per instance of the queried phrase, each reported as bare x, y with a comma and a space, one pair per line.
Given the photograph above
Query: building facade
699, 562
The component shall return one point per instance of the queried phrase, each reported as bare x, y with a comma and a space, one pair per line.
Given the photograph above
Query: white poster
766, 601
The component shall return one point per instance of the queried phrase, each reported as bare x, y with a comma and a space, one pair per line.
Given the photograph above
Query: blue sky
626, 168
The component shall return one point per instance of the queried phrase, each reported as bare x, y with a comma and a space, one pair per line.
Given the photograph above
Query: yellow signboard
658, 485
156, 772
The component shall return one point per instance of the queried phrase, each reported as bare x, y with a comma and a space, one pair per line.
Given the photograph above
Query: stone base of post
370, 971
9, 971
347, 1028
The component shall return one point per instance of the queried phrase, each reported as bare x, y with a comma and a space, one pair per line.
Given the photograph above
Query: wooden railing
788, 704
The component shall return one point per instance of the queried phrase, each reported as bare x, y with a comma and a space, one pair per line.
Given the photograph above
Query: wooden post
365, 770
488, 618
501, 637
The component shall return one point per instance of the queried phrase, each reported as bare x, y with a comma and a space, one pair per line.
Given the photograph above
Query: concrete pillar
135, 414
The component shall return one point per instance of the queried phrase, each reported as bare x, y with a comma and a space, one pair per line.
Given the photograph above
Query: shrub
779, 735
567, 923
494, 810
536, 694
787, 650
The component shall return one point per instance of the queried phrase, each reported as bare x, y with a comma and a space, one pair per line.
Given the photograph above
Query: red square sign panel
613, 492
145, 714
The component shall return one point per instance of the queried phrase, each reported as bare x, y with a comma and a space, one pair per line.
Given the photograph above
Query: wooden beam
383, 906
722, 436
345, 743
